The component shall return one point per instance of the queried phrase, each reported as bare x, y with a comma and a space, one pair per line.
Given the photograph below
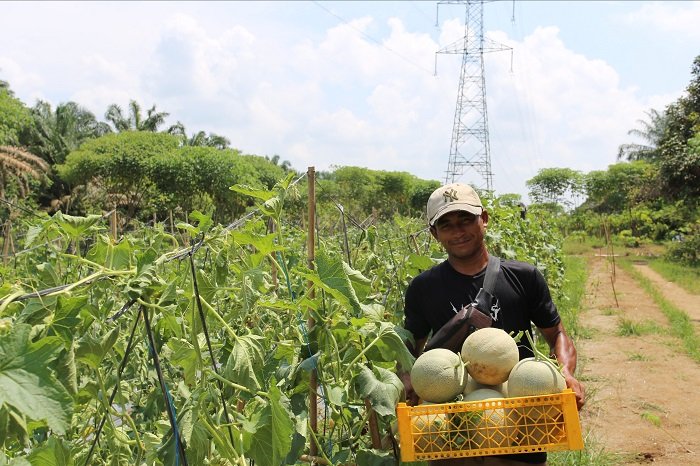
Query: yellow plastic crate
494, 427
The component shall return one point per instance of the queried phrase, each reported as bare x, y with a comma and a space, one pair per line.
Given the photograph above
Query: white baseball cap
452, 197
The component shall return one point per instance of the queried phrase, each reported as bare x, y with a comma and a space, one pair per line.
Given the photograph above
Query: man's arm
563, 348
416, 349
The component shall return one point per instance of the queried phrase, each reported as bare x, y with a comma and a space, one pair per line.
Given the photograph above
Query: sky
329, 84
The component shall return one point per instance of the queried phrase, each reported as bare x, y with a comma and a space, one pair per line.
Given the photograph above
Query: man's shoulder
517, 266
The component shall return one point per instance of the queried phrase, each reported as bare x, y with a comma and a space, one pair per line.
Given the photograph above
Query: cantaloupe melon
485, 428
438, 375
472, 385
532, 377
430, 433
490, 354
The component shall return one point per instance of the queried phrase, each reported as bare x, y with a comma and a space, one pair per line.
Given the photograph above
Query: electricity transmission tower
470, 134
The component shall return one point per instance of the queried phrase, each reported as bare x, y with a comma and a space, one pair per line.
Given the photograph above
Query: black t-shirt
522, 296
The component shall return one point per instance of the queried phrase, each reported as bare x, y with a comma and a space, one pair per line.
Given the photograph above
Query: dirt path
643, 400
673, 293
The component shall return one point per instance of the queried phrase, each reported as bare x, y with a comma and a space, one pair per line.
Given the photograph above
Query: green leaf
205, 286
360, 283
75, 227
145, 277
27, 384
382, 387
274, 430
419, 263
388, 346
91, 349
245, 361
331, 271
66, 371
375, 458
65, 318
185, 356
51, 453
264, 244
261, 194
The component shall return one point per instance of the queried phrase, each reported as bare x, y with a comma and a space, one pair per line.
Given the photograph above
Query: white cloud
22, 82
336, 93
674, 19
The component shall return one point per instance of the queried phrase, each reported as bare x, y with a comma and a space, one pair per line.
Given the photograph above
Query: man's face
461, 233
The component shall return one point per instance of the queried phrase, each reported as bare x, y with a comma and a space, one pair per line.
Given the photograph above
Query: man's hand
577, 387
411, 397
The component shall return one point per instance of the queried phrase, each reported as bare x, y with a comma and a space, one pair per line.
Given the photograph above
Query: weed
627, 328
637, 357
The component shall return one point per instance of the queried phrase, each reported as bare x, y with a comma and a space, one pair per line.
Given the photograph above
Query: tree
119, 166
14, 117
135, 120
53, 134
680, 168
275, 159
621, 186
555, 186
202, 139
652, 132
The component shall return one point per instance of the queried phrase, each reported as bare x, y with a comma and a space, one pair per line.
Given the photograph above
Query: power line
368, 37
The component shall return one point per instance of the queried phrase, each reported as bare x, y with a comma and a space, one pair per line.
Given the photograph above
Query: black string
159, 371
116, 386
206, 336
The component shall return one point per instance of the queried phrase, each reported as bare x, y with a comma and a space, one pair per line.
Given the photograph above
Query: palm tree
135, 121
200, 138
275, 159
652, 132
54, 134
18, 165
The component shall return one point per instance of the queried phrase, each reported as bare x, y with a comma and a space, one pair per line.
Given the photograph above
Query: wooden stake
6, 242
311, 256
113, 224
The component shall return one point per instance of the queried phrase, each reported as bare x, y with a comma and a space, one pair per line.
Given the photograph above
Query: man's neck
471, 265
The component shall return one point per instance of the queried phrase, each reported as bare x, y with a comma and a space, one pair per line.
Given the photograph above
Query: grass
681, 326
637, 357
628, 328
593, 454
686, 277
573, 292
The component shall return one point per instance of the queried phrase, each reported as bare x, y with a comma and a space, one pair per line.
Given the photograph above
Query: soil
643, 400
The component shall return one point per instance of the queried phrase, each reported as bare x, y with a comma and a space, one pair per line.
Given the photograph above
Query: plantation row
107, 345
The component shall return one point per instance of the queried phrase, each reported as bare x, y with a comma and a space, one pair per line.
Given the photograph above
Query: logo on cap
450, 195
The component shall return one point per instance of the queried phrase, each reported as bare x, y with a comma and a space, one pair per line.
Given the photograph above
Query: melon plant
490, 354
438, 375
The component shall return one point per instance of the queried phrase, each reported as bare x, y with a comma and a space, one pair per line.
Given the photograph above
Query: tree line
651, 193
65, 158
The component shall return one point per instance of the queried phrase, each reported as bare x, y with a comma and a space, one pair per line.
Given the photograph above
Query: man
458, 222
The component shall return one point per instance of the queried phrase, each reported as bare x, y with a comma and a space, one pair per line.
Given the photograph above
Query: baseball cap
452, 197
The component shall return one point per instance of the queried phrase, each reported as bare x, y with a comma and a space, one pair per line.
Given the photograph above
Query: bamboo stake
611, 254
275, 281
311, 256
113, 224
6, 242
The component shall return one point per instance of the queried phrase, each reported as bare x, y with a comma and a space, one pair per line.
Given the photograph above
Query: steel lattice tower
470, 134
